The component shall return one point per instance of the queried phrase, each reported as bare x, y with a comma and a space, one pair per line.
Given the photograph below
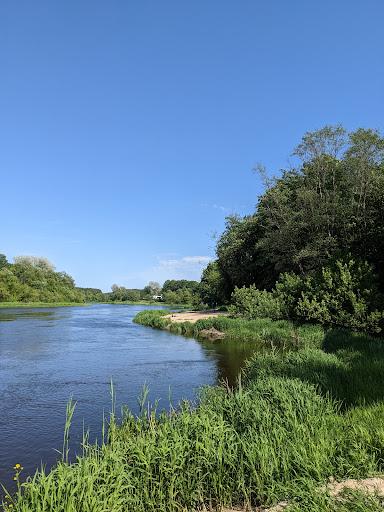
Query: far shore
41, 304
73, 304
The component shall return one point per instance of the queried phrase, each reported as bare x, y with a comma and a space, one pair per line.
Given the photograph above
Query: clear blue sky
129, 129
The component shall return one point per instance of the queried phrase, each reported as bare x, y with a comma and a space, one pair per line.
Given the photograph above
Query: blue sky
129, 129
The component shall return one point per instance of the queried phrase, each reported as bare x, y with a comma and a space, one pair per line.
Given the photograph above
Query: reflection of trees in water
9, 316
31, 338
230, 358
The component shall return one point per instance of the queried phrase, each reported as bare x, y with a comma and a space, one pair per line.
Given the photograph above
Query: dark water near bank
49, 355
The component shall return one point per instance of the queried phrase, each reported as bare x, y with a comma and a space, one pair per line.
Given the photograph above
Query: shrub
342, 294
252, 303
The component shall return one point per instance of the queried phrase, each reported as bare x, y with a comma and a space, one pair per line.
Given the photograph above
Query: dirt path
194, 316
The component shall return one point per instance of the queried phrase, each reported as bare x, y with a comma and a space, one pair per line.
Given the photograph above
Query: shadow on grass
350, 367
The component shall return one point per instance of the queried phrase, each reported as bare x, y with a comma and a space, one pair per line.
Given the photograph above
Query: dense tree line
172, 292
321, 221
33, 279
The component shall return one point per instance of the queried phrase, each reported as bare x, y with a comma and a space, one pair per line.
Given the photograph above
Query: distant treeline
34, 279
172, 292
314, 248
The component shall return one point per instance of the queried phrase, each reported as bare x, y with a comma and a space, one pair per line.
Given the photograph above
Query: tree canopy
328, 206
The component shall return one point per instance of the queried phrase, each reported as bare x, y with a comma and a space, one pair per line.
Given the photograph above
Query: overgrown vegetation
315, 240
344, 293
32, 279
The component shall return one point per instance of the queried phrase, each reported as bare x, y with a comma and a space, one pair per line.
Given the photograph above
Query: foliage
91, 294
152, 288
180, 291
271, 439
262, 332
32, 279
350, 370
180, 296
326, 207
213, 287
174, 285
295, 419
122, 294
152, 318
344, 293
3, 261
252, 303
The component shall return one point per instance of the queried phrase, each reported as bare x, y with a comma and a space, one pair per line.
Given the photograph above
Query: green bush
251, 303
342, 294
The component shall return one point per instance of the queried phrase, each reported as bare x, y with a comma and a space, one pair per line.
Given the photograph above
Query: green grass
263, 331
271, 440
40, 304
310, 408
350, 367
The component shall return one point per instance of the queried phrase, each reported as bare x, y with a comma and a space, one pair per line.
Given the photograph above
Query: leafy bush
251, 303
343, 293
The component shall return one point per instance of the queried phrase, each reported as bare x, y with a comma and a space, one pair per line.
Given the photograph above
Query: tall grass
256, 444
351, 370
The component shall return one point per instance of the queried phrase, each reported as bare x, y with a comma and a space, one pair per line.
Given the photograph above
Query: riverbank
263, 331
302, 417
40, 304
193, 316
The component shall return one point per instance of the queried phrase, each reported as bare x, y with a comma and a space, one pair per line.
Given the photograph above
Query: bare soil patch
194, 316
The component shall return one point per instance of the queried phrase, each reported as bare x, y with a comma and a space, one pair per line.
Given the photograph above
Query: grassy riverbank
40, 304
299, 417
263, 331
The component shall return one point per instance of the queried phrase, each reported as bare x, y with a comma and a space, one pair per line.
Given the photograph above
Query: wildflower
17, 466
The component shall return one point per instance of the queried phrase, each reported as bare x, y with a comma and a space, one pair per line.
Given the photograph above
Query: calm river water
51, 354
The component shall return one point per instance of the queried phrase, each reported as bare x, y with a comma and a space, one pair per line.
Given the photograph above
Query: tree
32, 279
331, 204
35, 261
213, 286
180, 284
153, 288
3, 261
